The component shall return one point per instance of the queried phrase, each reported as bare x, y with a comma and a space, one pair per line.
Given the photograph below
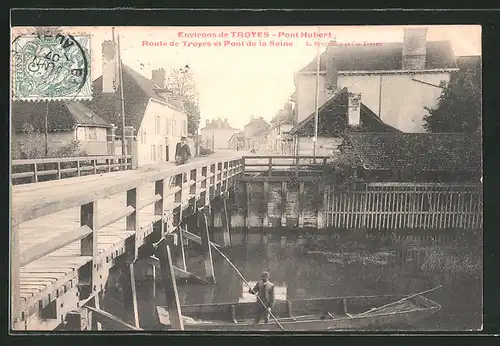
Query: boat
317, 314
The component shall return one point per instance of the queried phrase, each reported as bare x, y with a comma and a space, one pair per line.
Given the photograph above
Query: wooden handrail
124, 162
68, 159
49, 202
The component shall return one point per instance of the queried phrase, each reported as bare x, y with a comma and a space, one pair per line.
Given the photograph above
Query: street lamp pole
316, 115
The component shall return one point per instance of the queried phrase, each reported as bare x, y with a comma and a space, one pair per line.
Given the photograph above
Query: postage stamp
53, 67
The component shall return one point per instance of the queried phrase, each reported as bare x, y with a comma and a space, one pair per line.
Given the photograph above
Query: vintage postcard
308, 178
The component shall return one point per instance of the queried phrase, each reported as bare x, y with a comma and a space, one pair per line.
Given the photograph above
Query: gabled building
256, 132
237, 141
216, 134
421, 157
342, 113
158, 120
68, 121
396, 79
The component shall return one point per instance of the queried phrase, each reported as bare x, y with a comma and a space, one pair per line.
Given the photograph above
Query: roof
469, 62
237, 135
384, 57
283, 117
258, 127
218, 124
332, 119
62, 116
137, 90
418, 151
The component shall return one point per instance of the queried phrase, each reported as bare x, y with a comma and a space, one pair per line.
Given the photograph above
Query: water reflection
298, 276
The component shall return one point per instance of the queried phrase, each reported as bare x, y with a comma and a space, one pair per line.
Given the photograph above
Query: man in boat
264, 289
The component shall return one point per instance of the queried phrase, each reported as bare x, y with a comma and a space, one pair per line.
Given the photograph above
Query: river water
299, 274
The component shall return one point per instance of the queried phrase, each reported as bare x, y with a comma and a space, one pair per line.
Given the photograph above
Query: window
157, 124
168, 128
174, 132
154, 153
160, 152
90, 133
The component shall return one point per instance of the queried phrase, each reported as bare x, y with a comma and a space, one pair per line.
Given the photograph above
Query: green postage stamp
56, 67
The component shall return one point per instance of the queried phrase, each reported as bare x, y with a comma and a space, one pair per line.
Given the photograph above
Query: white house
216, 134
396, 80
158, 120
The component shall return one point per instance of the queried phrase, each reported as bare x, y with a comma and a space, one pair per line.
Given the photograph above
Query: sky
236, 82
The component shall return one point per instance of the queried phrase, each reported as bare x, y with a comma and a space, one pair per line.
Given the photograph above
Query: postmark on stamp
56, 67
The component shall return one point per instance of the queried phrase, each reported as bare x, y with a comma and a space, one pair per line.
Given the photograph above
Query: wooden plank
134, 294
104, 316
170, 286
207, 249
40, 250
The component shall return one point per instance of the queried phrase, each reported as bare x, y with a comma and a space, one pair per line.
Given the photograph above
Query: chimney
207, 122
331, 70
109, 67
414, 48
159, 77
354, 109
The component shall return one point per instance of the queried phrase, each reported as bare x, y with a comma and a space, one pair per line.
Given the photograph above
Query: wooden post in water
301, 203
283, 203
170, 286
226, 235
205, 243
181, 256
265, 216
321, 207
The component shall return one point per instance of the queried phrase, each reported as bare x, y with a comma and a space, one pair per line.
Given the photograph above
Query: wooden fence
36, 170
405, 205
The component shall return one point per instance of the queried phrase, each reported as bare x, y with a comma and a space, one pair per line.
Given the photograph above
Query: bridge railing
270, 165
36, 170
179, 186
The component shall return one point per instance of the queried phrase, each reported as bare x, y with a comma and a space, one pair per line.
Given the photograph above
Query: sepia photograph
246, 178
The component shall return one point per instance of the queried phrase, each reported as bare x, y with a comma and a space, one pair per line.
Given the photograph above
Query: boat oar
399, 301
246, 282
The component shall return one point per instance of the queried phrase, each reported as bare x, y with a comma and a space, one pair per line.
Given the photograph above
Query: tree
180, 82
459, 106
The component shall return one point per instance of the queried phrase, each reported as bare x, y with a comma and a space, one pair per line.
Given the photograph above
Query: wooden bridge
67, 234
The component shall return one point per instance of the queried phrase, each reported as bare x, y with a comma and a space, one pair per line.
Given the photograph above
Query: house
68, 121
279, 141
422, 157
343, 112
397, 80
216, 134
237, 141
157, 118
256, 132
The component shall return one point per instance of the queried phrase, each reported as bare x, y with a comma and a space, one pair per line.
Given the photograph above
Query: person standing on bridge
182, 152
264, 289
